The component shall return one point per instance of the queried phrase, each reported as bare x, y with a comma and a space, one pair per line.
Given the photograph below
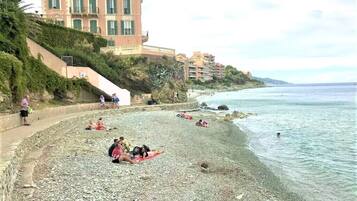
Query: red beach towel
152, 154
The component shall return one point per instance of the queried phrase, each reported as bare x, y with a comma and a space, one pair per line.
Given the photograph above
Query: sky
299, 41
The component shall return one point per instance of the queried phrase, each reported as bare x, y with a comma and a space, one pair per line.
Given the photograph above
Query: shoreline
76, 154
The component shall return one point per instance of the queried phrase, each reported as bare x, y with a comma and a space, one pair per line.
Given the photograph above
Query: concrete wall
13, 120
100, 82
95, 79
47, 57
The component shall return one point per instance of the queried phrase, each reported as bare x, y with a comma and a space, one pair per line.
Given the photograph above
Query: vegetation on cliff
232, 79
19, 72
161, 77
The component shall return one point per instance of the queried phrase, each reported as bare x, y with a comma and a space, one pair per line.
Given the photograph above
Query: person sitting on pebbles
119, 155
91, 125
125, 144
202, 123
100, 124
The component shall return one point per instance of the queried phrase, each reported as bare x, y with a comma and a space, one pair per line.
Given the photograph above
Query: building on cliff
201, 66
118, 21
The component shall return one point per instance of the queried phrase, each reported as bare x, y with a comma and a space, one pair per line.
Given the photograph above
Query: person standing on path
24, 112
102, 101
115, 100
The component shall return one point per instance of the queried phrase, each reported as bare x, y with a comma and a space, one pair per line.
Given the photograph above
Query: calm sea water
316, 154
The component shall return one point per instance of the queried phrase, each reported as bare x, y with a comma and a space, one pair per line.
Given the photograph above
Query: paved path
10, 139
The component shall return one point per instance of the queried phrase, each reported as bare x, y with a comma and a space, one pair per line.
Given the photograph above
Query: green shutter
82, 6
115, 6
49, 3
93, 6
77, 24
93, 26
116, 27
132, 28
108, 27
122, 27
57, 4
128, 4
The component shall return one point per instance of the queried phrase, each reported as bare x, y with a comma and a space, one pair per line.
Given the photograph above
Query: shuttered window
92, 6
77, 24
53, 4
127, 27
127, 7
111, 6
112, 27
93, 26
77, 6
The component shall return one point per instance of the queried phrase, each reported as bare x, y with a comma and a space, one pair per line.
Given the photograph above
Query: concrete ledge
12, 121
10, 164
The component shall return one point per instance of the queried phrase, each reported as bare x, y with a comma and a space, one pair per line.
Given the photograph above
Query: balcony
96, 31
141, 50
84, 11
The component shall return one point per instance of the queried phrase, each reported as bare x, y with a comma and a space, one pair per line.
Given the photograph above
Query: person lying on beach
184, 115
111, 148
119, 155
140, 151
91, 125
125, 144
202, 123
100, 124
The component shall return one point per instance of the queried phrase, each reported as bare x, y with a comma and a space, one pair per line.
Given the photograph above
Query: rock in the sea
223, 107
203, 104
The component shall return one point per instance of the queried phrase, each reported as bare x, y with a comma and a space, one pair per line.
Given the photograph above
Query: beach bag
30, 110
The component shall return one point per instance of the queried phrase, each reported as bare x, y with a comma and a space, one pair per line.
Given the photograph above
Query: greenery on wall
19, 72
137, 74
232, 78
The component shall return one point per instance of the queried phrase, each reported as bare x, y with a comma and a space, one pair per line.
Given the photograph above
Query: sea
316, 153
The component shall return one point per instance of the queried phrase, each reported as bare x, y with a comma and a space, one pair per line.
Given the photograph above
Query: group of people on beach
99, 125
120, 150
115, 101
200, 123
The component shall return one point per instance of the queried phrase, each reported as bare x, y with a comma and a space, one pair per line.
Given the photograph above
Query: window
112, 27
111, 43
127, 7
111, 6
93, 26
53, 4
92, 6
127, 28
77, 24
77, 6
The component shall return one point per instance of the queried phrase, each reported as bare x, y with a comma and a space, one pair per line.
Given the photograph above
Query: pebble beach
196, 164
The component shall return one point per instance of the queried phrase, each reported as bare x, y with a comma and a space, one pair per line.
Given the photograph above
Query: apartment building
119, 21
218, 71
204, 64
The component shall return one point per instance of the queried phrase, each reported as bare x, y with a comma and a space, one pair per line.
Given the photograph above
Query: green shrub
68, 37
10, 75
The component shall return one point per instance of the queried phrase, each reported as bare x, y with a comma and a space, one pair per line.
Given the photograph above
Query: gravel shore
75, 166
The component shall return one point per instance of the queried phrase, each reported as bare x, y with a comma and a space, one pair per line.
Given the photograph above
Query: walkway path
11, 139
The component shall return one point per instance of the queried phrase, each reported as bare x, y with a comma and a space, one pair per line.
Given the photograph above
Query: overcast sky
300, 41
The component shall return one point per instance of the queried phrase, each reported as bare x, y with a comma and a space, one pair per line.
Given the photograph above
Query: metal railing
84, 10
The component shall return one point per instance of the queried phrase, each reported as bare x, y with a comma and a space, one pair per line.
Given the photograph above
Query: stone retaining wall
14, 120
10, 169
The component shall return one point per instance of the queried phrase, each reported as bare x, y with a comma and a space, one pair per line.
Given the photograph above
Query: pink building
119, 21
218, 70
